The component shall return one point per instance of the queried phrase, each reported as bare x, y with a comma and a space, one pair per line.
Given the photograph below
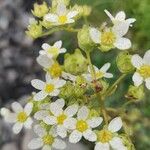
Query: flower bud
84, 40
40, 9
56, 2
93, 113
135, 93
76, 63
124, 62
34, 29
46, 24
80, 80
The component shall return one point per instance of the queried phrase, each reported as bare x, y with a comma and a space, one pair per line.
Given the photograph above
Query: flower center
55, 70
145, 71
62, 19
53, 50
81, 125
108, 38
48, 139
61, 118
104, 136
49, 88
22, 117
99, 74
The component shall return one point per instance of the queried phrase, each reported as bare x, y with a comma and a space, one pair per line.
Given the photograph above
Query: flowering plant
71, 102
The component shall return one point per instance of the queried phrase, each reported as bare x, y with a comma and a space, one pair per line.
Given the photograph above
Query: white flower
50, 87
142, 69
62, 16
52, 51
107, 138
21, 117
59, 116
111, 37
100, 73
82, 126
120, 18
46, 140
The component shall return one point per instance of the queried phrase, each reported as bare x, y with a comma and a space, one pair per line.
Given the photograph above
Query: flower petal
39, 130
59, 144
28, 123
90, 135
62, 50
46, 46
109, 15
83, 113
55, 109
54, 93
70, 123
28, 108
38, 84
16, 107
10, 117
72, 14
71, 110
35, 143
51, 17
40, 96
147, 58
105, 67
46, 147
75, 136
95, 122
60, 102
50, 120
108, 75
102, 146
116, 143
41, 114
137, 79
148, 83
17, 127
115, 125
61, 131
95, 35
59, 83
137, 61
58, 44
121, 16
123, 43
61, 9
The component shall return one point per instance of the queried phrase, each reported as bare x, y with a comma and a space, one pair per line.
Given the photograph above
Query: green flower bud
135, 93
84, 40
34, 29
124, 62
76, 63
93, 113
80, 80
78, 91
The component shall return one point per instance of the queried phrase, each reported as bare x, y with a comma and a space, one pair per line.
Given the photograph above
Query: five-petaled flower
142, 69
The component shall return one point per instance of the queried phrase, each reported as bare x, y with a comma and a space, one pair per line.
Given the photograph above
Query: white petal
95, 35
35, 143
75, 136
62, 50
58, 44
137, 79
61, 9
59, 83
148, 83
50, 120
28, 123
39, 130
41, 114
130, 21
115, 125
17, 127
109, 15
105, 67
102, 146
46, 46
40, 96
147, 57
108, 75
28, 108
60, 102
46, 147
137, 61
83, 113
90, 135
120, 16
55, 109
51, 17
72, 14
95, 122
61, 131
44, 61
48, 78
54, 93
59, 144
16, 107
70, 21
38, 84
70, 123
10, 117
123, 43
71, 110
116, 143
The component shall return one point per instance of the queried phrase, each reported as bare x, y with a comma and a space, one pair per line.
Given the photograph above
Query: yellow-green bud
124, 62
76, 63
135, 93
34, 29
80, 80
40, 9
84, 40
93, 113
46, 24
78, 91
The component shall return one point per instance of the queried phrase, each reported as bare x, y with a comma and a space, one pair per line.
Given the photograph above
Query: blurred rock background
18, 66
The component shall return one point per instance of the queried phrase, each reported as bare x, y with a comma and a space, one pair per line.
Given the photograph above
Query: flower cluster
70, 103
